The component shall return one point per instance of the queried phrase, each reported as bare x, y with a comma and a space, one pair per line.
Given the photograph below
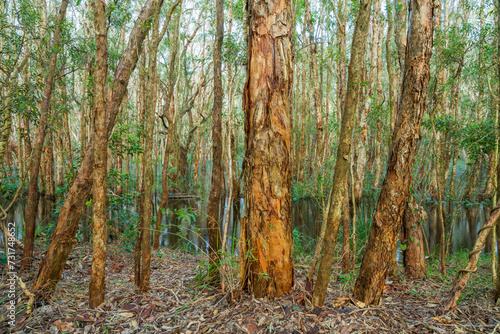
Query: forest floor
178, 303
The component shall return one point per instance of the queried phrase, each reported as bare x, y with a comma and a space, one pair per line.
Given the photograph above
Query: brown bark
97, 286
32, 203
395, 188
214, 199
63, 237
342, 165
266, 230
413, 252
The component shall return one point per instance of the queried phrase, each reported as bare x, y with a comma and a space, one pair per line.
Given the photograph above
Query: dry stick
473, 259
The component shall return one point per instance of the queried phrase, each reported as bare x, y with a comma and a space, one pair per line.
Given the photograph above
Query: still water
185, 224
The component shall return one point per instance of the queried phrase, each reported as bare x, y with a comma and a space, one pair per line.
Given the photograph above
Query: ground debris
177, 303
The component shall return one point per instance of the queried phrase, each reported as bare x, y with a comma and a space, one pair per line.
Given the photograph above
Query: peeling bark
413, 253
97, 287
266, 230
395, 188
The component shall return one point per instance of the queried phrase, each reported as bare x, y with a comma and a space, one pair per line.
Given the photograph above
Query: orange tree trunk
395, 188
98, 271
32, 204
266, 243
63, 237
340, 176
218, 182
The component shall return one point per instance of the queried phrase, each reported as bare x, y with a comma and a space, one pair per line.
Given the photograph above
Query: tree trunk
63, 237
390, 70
214, 200
342, 165
97, 287
316, 91
169, 114
346, 240
413, 252
32, 202
147, 164
395, 188
266, 230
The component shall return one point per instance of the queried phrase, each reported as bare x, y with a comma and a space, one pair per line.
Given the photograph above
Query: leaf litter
178, 303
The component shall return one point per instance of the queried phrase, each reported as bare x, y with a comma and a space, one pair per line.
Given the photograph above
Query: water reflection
185, 224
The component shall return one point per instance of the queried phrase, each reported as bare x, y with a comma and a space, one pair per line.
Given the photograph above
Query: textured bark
378, 137
346, 240
97, 287
147, 163
390, 70
395, 188
342, 58
32, 202
400, 37
214, 199
266, 230
63, 237
413, 253
316, 89
342, 165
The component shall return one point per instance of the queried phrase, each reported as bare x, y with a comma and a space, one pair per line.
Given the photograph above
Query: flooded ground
185, 224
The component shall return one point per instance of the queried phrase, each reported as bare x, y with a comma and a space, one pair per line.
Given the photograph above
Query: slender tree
97, 287
395, 188
215, 197
340, 176
33, 196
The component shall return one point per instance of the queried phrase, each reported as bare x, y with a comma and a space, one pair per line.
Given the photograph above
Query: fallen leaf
346, 330
251, 328
126, 314
63, 326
